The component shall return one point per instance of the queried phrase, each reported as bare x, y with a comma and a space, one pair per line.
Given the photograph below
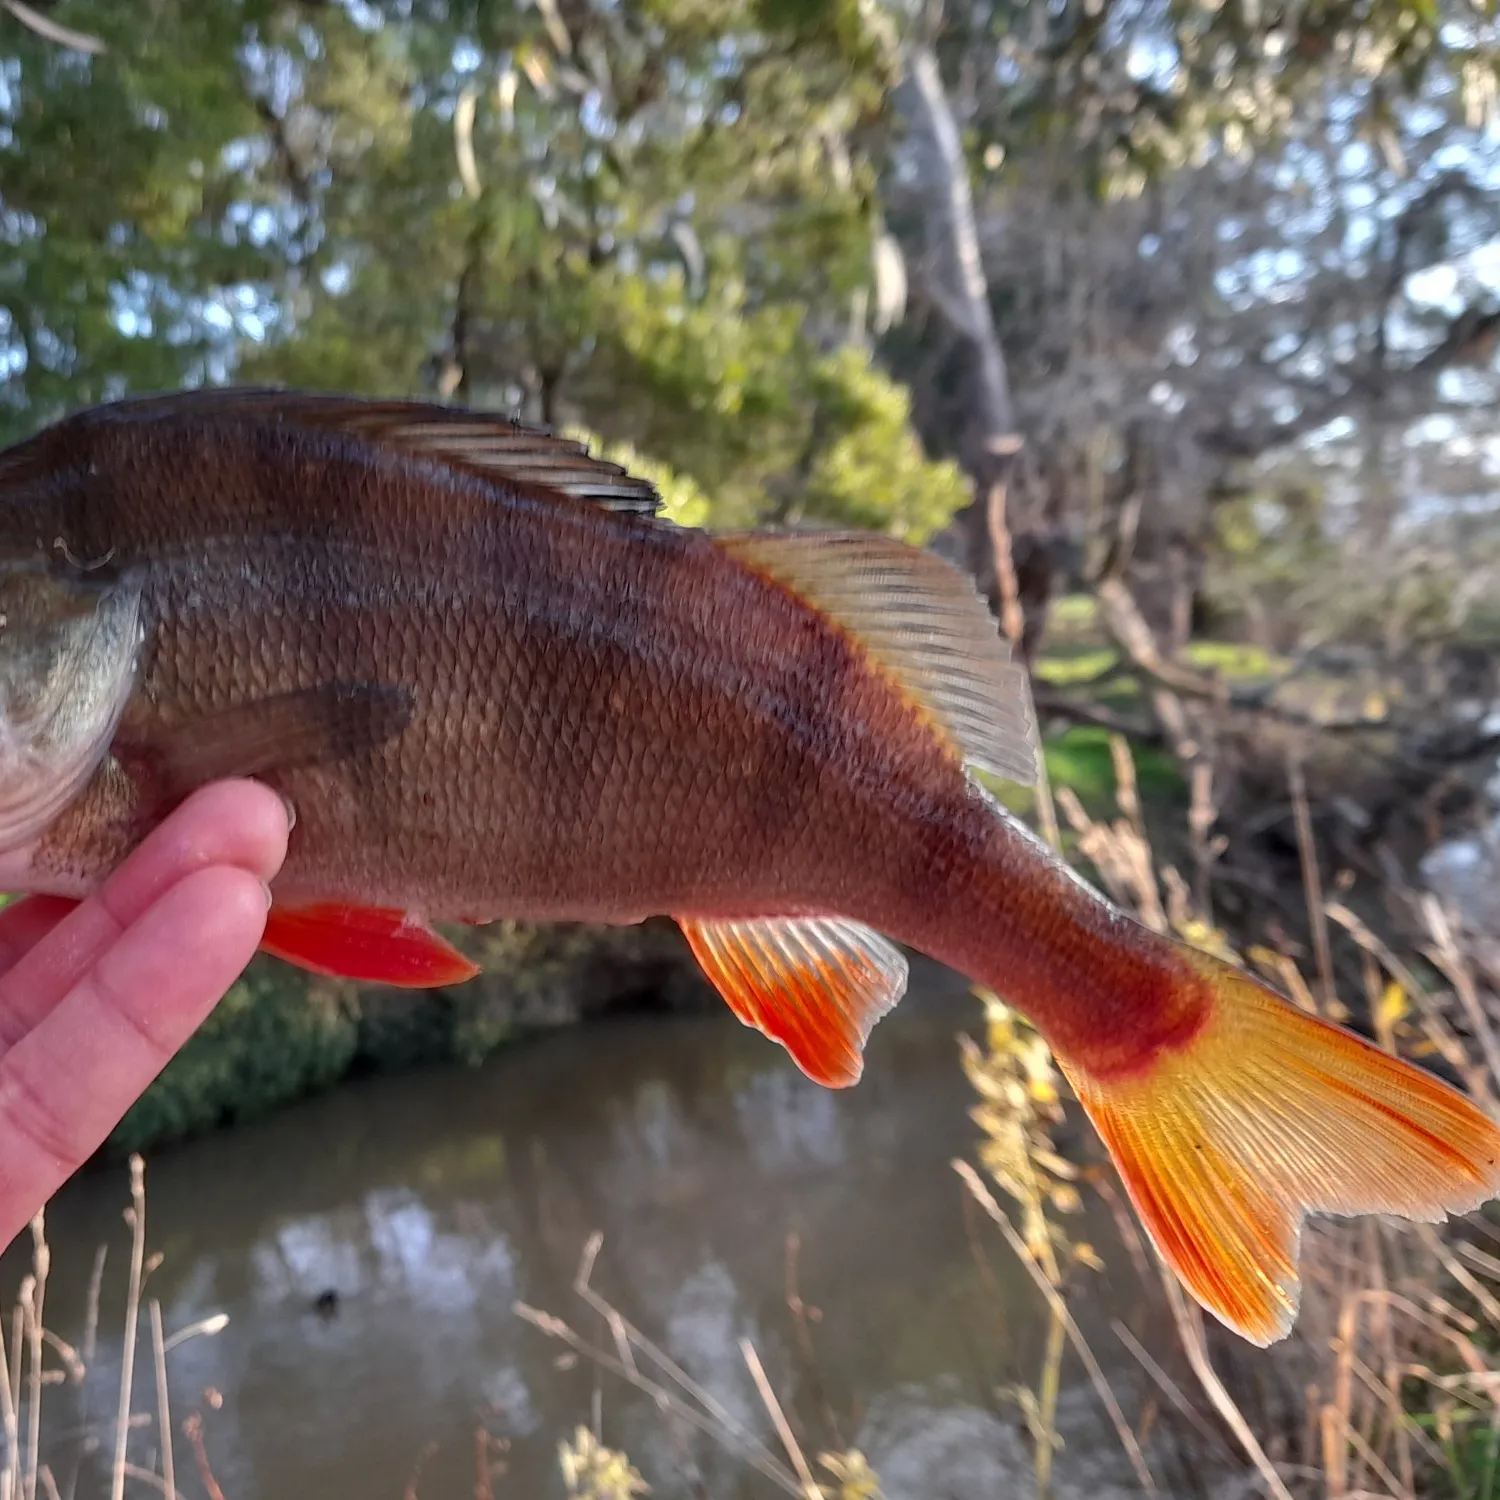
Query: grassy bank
280, 1034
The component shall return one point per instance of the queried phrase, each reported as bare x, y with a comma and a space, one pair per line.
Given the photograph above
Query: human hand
95, 997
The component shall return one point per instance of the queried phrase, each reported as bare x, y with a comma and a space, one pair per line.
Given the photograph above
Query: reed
53, 1439
1390, 1384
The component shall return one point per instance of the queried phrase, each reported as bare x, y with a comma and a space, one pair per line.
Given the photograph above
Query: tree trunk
960, 294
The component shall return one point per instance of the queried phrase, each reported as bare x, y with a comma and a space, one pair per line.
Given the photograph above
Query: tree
1204, 236
653, 221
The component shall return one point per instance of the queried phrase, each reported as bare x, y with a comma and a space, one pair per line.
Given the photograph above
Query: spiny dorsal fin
919, 619
815, 984
487, 443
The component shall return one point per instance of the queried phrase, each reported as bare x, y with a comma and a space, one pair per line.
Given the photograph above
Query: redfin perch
492, 684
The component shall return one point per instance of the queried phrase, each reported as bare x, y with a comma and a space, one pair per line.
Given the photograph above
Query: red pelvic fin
815, 984
369, 943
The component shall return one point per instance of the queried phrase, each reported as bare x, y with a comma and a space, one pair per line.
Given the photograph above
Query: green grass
1471, 1451
1080, 759
1066, 665
1235, 659
1078, 653
1074, 613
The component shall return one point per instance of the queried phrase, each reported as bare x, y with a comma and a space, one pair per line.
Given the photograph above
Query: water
420, 1209
1464, 870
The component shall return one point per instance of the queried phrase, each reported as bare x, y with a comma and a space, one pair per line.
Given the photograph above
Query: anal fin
368, 943
817, 985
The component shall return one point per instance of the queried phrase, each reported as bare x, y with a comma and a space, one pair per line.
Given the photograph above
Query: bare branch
64, 36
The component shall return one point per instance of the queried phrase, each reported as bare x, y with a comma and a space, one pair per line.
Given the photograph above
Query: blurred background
1175, 325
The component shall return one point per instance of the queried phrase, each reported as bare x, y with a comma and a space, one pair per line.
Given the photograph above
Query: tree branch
64, 36
961, 294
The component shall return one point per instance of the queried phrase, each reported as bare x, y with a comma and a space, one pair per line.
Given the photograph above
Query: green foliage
1238, 661
1080, 758
644, 220
683, 502
280, 1034
271, 1039
1227, 77
870, 470
1470, 1448
1080, 664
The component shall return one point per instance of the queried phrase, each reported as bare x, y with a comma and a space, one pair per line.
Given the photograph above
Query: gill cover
70, 643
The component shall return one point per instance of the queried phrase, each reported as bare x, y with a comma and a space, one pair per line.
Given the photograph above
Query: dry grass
133, 1453
687, 1406
1389, 1384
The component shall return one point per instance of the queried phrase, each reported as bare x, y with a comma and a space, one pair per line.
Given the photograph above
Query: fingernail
267, 892
291, 812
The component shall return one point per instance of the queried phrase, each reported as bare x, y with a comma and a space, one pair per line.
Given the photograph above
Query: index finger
66, 1084
233, 823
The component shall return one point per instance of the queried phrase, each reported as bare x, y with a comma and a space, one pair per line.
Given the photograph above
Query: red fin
815, 984
367, 943
1269, 1114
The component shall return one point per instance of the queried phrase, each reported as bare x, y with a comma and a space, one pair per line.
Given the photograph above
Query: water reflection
369, 1247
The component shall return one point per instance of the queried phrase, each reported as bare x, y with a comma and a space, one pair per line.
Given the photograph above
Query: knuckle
29, 1116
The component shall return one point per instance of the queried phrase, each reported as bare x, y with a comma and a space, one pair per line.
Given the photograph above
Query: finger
66, 1085
26, 922
236, 823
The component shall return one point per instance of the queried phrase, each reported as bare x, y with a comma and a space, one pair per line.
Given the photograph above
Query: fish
491, 681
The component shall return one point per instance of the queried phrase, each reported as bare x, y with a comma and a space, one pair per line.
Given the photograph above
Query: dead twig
1059, 1309
728, 1435
63, 36
192, 1429
135, 1216
778, 1419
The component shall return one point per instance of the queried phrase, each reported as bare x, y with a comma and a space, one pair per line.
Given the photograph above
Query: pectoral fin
308, 726
815, 984
367, 943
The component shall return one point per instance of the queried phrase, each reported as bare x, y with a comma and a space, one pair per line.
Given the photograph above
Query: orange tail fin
1269, 1114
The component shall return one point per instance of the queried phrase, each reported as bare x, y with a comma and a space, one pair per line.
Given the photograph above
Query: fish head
70, 644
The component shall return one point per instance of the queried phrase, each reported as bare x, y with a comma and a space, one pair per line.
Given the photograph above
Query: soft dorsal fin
487, 443
918, 619
817, 985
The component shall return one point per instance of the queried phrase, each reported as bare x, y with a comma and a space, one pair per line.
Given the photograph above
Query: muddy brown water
369, 1246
